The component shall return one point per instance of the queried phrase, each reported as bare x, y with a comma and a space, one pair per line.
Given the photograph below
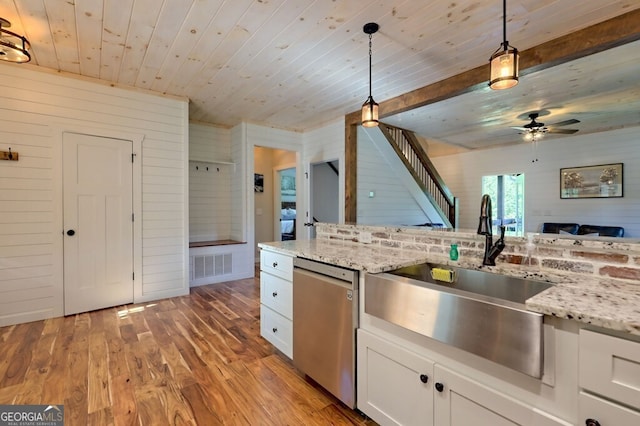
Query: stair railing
408, 148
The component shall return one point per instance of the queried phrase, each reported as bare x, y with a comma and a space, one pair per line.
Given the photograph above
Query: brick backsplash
606, 257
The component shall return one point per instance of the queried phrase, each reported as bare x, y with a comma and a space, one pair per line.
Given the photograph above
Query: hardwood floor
197, 359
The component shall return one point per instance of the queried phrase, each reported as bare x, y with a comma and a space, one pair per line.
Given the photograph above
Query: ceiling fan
536, 130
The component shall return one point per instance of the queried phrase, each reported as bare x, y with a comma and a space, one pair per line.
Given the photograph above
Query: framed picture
601, 181
258, 182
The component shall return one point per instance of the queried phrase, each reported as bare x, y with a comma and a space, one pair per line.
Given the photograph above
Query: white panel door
98, 222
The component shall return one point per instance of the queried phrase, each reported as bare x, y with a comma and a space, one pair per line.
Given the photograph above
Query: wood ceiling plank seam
249, 27
61, 18
200, 18
167, 29
259, 33
89, 24
313, 78
218, 30
115, 26
32, 23
456, 70
297, 80
331, 77
251, 52
314, 35
144, 16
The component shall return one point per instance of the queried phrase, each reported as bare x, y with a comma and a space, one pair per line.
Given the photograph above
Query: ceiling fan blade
522, 129
563, 131
565, 122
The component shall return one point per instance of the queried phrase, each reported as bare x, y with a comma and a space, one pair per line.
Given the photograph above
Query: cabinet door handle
275, 264
275, 329
439, 387
592, 422
274, 294
424, 378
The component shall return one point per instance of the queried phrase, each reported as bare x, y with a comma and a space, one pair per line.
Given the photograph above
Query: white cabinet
399, 387
276, 300
394, 384
460, 401
609, 375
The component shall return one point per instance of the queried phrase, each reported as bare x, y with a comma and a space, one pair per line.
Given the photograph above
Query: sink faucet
491, 251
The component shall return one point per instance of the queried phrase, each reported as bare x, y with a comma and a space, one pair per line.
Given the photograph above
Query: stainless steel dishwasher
325, 319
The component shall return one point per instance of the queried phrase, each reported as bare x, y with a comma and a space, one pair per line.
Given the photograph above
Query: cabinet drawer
277, 294
610, 366
277, 264
605, 412
277, 329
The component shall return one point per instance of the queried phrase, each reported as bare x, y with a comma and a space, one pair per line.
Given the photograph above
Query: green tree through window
507, 201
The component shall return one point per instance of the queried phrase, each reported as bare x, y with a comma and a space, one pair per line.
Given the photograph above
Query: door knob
71, 232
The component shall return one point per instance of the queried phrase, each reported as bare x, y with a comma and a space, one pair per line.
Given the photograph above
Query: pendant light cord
370, 36
504, 25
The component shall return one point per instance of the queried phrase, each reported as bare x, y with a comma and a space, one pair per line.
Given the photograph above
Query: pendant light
13, 47
504, 61
370, 107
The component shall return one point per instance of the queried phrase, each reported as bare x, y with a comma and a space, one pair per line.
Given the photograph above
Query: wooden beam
351, 168
614, 32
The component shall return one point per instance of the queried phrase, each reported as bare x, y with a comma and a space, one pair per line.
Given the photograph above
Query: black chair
603, 231
555, 228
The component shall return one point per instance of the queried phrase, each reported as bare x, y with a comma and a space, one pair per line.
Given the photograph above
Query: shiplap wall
36, 108
209, 183
463, 173
394, 201
323, 144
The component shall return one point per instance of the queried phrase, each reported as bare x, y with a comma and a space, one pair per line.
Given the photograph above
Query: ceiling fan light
370, 113
13, 47
504, 69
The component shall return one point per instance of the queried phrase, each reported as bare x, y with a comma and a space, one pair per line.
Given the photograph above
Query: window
507, 201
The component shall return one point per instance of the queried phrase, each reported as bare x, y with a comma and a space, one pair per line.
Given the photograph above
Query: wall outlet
365, 237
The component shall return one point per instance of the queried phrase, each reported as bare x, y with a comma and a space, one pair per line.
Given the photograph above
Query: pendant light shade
13, 47
504, 61
370, 107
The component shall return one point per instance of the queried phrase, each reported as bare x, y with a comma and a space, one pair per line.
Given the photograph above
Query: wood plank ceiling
294, 64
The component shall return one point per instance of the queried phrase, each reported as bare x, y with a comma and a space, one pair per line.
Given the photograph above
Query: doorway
98, 222
285, 203
325, 187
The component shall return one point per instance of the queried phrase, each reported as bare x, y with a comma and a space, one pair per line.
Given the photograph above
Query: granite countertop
602, 302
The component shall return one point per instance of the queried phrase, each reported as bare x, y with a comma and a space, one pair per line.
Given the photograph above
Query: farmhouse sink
478, 312
474, 283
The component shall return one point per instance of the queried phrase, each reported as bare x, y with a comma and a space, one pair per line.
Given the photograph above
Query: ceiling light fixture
534, 135
504, 61
370, 107
13, 47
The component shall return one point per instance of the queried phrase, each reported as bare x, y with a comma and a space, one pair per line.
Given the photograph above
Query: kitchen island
591, 321
600, 301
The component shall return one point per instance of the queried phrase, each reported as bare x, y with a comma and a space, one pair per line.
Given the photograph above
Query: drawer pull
275, 264
274, 294
439, 387
591, 422
424, 378
275, 329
